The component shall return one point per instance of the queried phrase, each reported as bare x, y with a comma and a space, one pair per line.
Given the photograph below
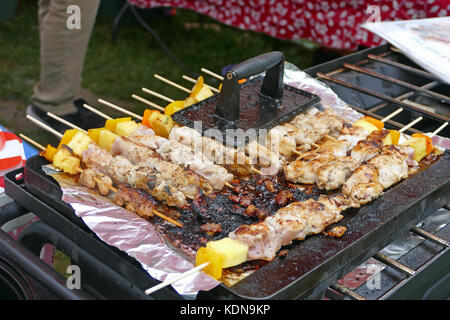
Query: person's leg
63, 53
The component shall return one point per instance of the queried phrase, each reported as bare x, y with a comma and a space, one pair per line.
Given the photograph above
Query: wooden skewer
157, 76
113, 189
393, 114
109, 104
185, 77
409, 125
44, 126
176, 278
257, 171
67, 123
156, 94
101, 114
34, 143
228, 185
435, 132
154, 105
215, 75
41, 147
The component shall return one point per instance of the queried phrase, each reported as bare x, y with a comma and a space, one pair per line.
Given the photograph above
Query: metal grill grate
375, 84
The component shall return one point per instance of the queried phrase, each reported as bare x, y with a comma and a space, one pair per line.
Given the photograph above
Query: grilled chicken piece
381, 172
335, 172
280, 140
303, 169
391, 165
135, 201
87, 178
270, 162
363, 185
120, 169
261, 238
352, 134
92, 178
313, 125
232, 159
293, 222
184, 156
366, 150
183, 180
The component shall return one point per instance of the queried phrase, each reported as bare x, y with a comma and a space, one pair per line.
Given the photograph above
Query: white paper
424, 41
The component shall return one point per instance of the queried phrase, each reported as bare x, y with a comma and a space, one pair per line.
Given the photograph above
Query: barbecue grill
375, 82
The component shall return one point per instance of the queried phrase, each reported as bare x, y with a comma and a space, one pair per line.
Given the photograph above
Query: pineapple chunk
79, 143
388, 139
214, 269
419, 145
126, 128
161, 124
65, 160
231, 251
68, 135
112, 123
106, 139
204, 93
95, 133
365, 124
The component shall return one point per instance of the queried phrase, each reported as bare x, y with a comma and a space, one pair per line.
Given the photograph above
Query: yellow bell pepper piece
189, 101
395, 136
197, 87
173, 107
49, 153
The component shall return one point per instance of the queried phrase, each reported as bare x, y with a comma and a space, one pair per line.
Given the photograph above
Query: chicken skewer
234, 160
119, 168
294, 222
333, 173
176, 177
175, 152
297, 220
304, 169
93, 179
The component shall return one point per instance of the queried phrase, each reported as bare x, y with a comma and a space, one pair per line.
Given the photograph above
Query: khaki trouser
63, 51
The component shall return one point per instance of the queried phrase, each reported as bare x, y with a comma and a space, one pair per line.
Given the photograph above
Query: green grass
114, 71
